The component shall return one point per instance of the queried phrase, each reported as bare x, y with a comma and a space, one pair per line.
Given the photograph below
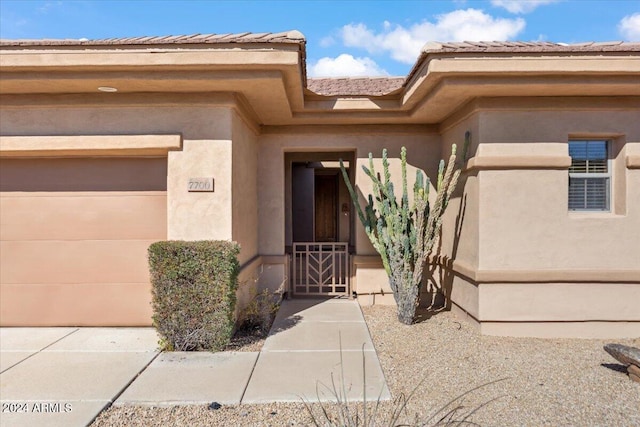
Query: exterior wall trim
594, 329
517, 162
516, 276
93, 145
633, 161
589, 329
538, 276
274, 259
367, 261
387, 129
122, 100
250, 264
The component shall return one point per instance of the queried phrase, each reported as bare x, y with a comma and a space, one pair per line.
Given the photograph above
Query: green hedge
194, 293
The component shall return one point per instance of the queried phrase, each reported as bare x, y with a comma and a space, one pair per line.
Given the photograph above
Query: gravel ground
247, 339
547, 382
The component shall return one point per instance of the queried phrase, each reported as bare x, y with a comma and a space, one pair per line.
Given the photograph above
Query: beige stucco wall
244, 208
244, 188
524, 264
525, 302
273, 273
460, 221
559, 309
202, 215
524, 222
459, 244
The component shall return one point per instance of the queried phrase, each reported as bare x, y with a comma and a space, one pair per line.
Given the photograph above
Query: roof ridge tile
354, 86
292, 36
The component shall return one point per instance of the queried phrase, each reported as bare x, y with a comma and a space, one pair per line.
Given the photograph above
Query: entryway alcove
319, 223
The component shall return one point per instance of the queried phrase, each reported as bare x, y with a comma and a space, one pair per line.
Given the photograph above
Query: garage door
73, 239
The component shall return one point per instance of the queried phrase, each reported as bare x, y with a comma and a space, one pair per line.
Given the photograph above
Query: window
589, 176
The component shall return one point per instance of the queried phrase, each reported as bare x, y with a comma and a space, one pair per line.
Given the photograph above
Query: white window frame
608, 176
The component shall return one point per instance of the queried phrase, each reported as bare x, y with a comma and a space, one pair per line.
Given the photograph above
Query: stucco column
199, 215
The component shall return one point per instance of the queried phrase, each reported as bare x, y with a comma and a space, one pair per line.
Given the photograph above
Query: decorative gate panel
320, 268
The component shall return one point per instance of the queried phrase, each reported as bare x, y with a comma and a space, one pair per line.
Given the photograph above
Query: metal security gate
320, 268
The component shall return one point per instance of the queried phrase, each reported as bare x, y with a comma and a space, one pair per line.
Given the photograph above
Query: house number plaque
200, 185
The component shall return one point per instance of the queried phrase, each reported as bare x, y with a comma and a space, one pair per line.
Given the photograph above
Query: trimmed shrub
194, 293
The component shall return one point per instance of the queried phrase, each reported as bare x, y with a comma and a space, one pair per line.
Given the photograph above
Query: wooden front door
326, 193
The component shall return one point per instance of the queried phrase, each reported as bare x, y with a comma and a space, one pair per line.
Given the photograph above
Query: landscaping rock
624, 354
634, 373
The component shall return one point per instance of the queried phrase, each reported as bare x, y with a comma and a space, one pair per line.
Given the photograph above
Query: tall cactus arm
445, 189
405, 213
367, 218
440, 174
388, 184
418, 187
354, 196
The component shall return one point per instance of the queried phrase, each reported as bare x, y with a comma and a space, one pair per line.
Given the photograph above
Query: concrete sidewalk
67, 376
313, 344
74, 373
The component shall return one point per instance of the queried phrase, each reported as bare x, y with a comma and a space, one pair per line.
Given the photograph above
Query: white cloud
629, 27
521, 6
345, 65
327, 41
404, 44
49, 6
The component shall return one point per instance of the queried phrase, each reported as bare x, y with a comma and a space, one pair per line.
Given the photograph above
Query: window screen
589, 175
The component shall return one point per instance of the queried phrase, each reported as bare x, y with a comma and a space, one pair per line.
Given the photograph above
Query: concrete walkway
66, 376
303, 354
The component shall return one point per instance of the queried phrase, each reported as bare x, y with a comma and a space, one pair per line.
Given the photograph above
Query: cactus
404, 235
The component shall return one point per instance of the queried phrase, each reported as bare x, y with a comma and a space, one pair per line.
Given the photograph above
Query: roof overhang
270, 77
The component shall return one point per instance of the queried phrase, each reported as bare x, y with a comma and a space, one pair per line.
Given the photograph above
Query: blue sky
343, 37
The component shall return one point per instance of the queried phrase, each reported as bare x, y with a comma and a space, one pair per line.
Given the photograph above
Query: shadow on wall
83, 174
440, 274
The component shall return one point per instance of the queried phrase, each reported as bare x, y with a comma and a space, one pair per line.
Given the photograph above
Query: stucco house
109, 145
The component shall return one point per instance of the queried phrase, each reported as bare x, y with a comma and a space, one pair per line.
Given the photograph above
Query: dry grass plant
343, 413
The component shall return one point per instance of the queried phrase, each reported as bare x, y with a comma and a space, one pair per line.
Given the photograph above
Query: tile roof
355, 86
284, 37
524, 47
